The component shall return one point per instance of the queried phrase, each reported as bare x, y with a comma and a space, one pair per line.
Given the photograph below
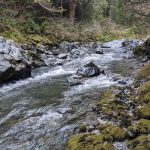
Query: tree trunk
72, 9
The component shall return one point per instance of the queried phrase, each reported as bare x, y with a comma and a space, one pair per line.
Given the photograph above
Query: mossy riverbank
126, 113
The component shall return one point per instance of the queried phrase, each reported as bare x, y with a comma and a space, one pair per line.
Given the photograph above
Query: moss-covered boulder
144, 96
140, 143
113, 107
89, 142
144, 73
115, 132
141, 127
144, 112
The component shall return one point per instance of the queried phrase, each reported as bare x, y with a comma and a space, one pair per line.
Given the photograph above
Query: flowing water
41, 112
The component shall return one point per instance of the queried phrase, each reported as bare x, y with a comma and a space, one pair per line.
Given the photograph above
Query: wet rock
130, 44
40, 49
10, 73
73, 80
91, 128
99, 51
120, 146
13, 63
145, 59
55, 52
77, 53
88, 70
131, 135
83, 129
131, 105
62, 56
65, 47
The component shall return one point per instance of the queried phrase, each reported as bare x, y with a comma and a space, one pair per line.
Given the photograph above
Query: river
42, 112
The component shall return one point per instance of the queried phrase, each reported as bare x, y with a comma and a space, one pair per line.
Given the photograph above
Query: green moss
143, 126
15, 35
145, 88
145, 98
144, 73
88, 142
140, 143
116, 132
144, 112
83, 128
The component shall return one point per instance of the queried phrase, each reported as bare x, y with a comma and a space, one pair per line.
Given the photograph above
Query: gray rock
62, 56
73, 81
88, 70
13, 64
99, 50
76, 53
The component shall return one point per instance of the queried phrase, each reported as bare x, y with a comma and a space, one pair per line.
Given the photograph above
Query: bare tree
72, 10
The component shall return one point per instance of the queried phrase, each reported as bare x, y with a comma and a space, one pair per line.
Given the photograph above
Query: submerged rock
73, 80
88, 70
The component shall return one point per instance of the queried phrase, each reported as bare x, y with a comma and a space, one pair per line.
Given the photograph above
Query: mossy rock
140, 143
110, 106
145, 88
106, 97
141, 127
145, 98
116, 132
144, 112
144, 73
88, 142
83, 128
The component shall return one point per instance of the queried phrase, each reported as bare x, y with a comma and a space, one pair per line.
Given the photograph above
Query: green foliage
31, 27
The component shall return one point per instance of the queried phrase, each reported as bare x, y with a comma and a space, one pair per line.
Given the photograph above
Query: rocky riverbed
49, 93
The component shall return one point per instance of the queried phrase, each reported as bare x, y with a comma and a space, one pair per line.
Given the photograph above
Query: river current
42, 112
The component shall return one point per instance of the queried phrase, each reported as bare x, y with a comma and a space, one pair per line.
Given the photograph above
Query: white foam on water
101, 81
114, 44
58, 71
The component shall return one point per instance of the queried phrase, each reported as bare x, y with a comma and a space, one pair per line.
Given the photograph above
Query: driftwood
50, 8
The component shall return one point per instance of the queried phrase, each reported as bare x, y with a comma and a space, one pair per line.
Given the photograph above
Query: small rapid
43, 111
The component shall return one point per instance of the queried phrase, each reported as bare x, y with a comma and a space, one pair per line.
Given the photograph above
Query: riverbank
57, 32
124, 118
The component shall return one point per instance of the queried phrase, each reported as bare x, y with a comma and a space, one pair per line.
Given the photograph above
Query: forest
74, 20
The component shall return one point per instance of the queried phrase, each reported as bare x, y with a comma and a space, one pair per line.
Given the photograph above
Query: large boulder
88, 70
10, 72
13, 64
